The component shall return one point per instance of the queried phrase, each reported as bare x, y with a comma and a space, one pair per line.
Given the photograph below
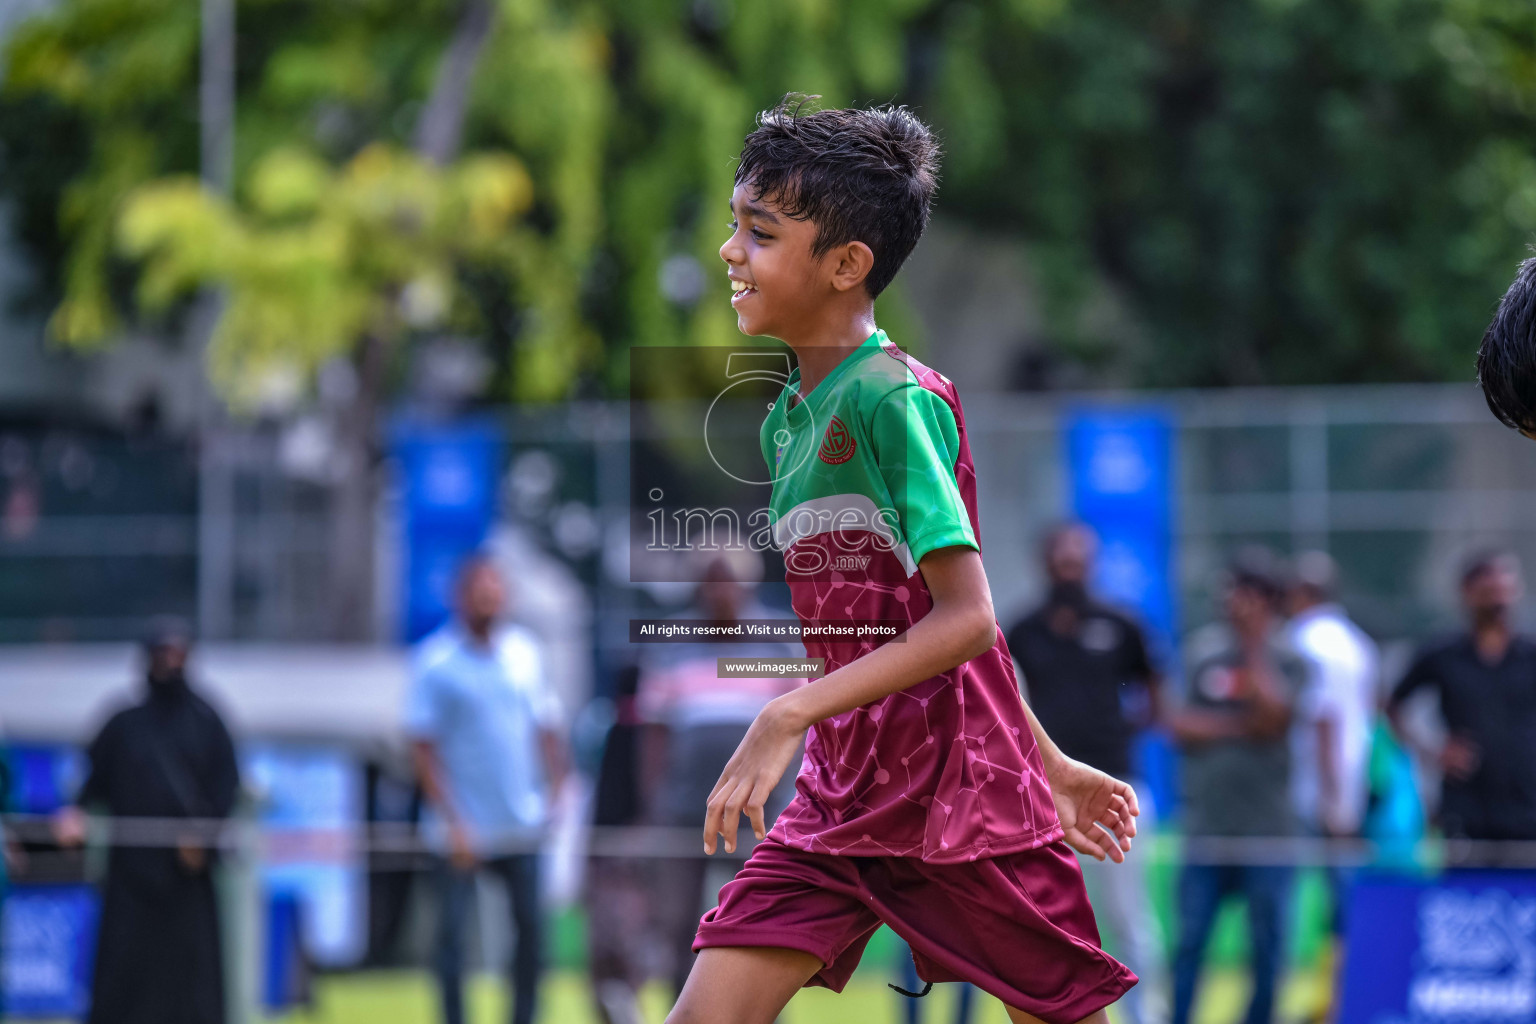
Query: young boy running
929, 798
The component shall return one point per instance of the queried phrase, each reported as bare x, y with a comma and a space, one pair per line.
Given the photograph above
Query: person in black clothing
1486, 681
158, 958
1092, 685
1090, 680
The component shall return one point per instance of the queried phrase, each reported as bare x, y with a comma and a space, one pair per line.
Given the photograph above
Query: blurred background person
1232, 728
912, 1002
1085, 668
1335, 717
486, 742
1485, 679
159, 956
694, 722
620, 935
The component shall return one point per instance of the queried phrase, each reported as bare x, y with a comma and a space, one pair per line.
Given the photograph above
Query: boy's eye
760, 235
731, 224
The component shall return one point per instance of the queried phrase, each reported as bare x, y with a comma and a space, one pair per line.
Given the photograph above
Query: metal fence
98, 532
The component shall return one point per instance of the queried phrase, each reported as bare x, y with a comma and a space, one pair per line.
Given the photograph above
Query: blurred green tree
101, 101
338, 244
355, 226
1287, 191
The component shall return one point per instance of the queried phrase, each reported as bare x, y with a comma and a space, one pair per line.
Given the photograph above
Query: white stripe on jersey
841, 512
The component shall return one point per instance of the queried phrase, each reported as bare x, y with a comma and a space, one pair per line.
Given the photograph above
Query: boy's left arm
1097, 810
960, 626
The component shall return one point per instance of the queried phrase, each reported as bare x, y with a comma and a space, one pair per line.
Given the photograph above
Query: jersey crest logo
837, 446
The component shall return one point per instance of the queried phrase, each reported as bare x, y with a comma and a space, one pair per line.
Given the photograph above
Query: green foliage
117, 73
1282, 190
334, 231
1287, 191
570, 287
317, 259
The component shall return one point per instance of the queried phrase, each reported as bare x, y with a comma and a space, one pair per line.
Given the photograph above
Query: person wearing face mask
1093, 686
1485, 678
167, 757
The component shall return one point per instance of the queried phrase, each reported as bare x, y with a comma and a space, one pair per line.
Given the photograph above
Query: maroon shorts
1018, 926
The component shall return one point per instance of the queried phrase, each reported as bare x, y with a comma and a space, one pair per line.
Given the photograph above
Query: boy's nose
730, 251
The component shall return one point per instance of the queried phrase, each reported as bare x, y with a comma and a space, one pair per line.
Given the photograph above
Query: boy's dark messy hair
1506, 362
858, 175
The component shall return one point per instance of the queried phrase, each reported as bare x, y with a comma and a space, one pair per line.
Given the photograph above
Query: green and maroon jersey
871, 471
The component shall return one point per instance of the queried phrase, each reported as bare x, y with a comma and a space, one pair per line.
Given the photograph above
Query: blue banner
1120, 466
311, 787
43, 776
448, 477
49, 948
1461, 950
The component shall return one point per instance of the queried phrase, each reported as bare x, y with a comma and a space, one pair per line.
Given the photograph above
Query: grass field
407, 997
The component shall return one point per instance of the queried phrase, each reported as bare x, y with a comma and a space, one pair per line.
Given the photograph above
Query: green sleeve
916, 444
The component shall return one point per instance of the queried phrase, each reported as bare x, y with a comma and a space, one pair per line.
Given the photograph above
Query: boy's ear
853, 263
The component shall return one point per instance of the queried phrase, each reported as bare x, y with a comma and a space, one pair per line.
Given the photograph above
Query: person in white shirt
1338, 710
1335, 718
487, 739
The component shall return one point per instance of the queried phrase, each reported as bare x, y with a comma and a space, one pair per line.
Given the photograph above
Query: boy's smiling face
777, 285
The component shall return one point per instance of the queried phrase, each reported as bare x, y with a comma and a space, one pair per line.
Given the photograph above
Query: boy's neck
821, 350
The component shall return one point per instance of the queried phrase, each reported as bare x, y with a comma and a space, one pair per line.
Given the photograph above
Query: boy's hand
750, 776
1097, 811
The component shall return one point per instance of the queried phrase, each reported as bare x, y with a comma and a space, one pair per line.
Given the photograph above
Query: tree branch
440, 131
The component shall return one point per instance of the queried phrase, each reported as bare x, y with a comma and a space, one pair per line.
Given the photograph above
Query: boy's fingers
1118, 833
1082, 844
711, 825
1113, 848
755, 806
1112, 825
714, 816
720, 783
732, 815
1124, 822
1129, 792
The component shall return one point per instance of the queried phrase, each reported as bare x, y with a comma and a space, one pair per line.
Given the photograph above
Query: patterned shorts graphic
838, 445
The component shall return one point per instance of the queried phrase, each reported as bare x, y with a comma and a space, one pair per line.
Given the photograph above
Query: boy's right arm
1096, 809
422, 724
959, 626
